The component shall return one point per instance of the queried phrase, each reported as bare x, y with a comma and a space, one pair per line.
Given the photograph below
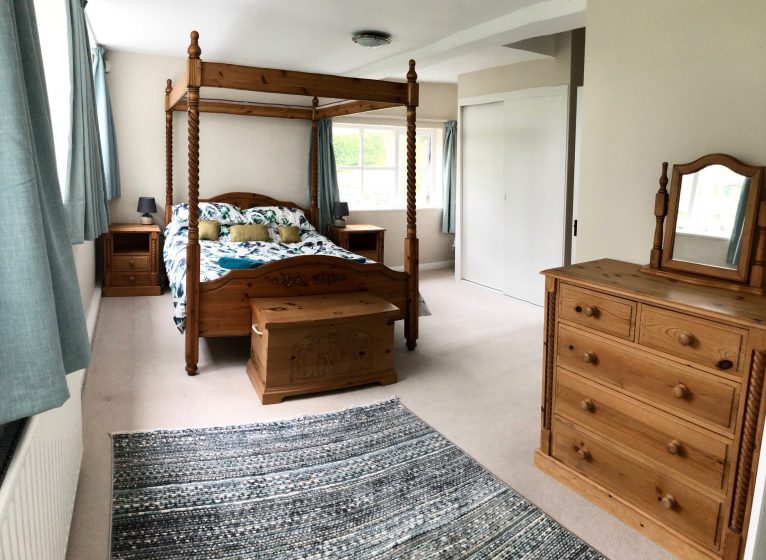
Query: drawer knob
685, 339
131, 278
589, 358
587, 310
587, 405
674, 447
668, 501
584, 454
681, 391
131, 264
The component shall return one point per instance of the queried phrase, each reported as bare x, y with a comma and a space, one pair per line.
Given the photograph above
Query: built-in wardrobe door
483, 139
514, 189
535, 189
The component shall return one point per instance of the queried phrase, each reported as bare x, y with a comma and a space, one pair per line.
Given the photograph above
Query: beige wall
264, 155
664, 81
523, 75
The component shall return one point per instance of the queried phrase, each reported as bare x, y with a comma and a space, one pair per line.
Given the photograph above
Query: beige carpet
475, 377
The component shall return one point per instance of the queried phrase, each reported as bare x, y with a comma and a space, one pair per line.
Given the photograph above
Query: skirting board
429, 266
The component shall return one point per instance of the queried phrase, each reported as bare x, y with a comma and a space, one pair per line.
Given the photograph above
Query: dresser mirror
711, 223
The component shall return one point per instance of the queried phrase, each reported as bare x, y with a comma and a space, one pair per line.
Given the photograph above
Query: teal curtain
105, 126
449, 177
84, 194
42, 331
735, 241
327, 175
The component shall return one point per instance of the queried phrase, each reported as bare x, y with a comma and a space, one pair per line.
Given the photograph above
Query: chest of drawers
653, 402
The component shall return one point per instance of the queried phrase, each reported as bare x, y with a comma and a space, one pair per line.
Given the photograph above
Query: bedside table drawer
127, 279
131, 262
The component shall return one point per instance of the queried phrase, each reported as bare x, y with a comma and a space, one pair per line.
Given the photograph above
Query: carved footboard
225, 303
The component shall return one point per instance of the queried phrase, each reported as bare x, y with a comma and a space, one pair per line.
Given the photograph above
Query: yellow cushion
289, 234
249, 232
209, 230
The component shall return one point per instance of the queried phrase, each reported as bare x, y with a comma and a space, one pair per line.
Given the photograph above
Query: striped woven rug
370, 482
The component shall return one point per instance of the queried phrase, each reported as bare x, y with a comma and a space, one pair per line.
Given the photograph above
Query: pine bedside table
362, 239
131, 260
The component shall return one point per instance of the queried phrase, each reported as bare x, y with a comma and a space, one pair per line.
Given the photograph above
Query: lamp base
339, 222
147, 220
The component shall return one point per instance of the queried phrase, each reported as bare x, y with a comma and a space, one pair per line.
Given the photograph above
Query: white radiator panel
37, 495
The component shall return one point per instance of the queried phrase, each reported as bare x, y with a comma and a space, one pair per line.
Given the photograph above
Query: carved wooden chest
308, 344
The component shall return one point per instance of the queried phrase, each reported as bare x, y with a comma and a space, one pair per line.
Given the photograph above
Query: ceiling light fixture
372, 39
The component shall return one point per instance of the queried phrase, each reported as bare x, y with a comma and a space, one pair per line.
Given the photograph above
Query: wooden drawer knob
587, 405
131, 278
674, 447
685, 339
589, 358
587, 310
131, 263
584, 454
680, 391
668, 501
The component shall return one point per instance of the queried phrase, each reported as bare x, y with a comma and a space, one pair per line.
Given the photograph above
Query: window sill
363, 210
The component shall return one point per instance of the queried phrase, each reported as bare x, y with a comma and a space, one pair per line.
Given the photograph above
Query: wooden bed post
314, 179
168, 153
411, 248
192, 249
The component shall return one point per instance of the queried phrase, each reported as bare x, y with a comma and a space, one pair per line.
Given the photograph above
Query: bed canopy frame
357, 95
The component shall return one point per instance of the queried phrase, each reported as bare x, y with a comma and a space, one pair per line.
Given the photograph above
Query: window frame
433, 197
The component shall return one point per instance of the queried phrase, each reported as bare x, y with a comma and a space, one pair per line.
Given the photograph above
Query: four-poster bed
221, 307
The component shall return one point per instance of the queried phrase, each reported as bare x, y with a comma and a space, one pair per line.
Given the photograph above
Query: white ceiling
446, 37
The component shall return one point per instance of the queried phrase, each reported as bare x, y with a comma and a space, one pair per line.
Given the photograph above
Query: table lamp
339, 212
147, 207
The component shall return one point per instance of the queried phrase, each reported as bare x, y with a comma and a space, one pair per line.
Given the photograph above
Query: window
372, 166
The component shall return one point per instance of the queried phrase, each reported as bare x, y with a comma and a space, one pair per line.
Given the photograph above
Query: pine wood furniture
653, 402
749, 273
131, 260
221, 308
308, 344
362, 239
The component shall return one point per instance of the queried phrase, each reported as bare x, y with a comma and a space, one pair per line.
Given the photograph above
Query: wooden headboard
249, 200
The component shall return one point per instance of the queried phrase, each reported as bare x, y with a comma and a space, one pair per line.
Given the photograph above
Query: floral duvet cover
174, 254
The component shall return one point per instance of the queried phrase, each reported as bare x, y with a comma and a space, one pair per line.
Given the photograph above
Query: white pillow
223, 212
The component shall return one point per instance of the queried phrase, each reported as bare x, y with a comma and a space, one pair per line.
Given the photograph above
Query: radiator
37, 495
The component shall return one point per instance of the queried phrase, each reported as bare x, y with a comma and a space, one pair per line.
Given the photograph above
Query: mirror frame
749, 274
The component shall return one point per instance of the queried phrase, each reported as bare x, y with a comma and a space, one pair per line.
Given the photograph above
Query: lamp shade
340, 209
146, 205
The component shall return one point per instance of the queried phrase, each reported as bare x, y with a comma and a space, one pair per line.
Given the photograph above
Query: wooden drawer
126, 279
131, 262
663, 497
670, 442
612, 315
680, 389
704, 342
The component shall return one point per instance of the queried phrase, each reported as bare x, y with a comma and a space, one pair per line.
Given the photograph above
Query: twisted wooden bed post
314, 180
168, 153
192, 248
411, 248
